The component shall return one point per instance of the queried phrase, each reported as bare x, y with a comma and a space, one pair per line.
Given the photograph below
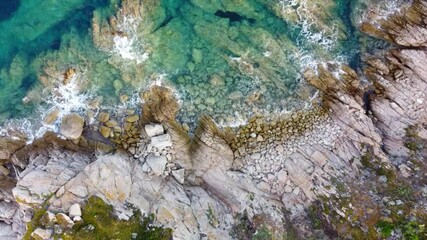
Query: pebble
132, 118
105, 131
111, 123
104, 117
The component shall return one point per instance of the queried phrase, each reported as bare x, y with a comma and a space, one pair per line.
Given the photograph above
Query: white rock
154, 129
41, 234
288, 189
161, 142
179, 175
75, 210
157, 164
77, 219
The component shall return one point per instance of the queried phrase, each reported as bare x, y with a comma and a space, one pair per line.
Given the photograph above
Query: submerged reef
221, 120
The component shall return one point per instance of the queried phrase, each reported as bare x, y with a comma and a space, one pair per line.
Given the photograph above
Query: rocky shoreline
353, 166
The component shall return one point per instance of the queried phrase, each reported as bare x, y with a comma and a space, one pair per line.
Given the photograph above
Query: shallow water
225, 59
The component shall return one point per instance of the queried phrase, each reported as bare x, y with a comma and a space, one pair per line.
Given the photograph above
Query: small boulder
179, 175
105, 131
154, 129
161, 142
41, 234
157, 164
75, 210
64, 221
77, 219
132, 118
72, 126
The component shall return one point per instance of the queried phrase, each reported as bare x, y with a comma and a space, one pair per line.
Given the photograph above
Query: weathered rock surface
399, 102
407, 28
197, 185
51, 166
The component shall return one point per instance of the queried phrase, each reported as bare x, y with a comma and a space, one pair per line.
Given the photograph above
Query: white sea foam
68, 97
128, 46
326, 38
382, 10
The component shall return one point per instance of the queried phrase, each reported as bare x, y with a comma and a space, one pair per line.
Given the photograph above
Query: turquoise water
228, 59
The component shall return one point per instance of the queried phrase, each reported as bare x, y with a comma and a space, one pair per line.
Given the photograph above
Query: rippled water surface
223, 58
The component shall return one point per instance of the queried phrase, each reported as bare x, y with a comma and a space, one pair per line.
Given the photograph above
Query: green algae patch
35, 222
99, 222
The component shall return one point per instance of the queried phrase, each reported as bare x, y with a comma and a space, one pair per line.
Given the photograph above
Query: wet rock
104, 117
132, 118
72, 126
111, 123
105, 131
51, 117
160, 105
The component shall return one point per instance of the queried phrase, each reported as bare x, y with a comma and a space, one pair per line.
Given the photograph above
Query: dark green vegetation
98, 214
36, 221
100, 223
259, 229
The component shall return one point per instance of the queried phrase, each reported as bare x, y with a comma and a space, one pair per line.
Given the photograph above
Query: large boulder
72, 126
8, 147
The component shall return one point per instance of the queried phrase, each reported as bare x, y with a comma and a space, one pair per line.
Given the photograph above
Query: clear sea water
223, 58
